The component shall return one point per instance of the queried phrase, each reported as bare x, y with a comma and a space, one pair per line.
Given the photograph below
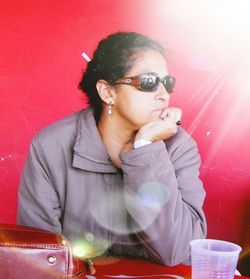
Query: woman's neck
117, 137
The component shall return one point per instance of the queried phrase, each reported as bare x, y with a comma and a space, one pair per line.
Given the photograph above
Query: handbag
27, 252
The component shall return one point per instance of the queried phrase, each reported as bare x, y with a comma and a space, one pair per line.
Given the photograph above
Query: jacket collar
89, 151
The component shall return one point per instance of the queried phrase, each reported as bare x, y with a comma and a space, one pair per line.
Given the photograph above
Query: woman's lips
162, 112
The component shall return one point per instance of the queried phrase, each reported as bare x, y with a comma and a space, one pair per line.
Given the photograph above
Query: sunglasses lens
149, 83
169, 83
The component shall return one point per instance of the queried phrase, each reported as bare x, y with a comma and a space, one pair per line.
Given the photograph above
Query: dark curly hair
112, 60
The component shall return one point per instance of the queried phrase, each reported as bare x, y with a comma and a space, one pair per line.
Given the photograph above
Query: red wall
40, 66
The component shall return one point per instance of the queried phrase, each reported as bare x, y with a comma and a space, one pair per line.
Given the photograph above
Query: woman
119, 178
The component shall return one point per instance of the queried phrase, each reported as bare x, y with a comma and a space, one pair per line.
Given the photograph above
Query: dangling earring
110, 109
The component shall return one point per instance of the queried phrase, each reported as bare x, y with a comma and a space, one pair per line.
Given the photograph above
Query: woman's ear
105, 91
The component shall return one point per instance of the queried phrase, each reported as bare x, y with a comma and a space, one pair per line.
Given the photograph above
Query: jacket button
52, 259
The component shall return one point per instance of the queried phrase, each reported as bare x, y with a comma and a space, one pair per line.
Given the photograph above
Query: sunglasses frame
167, 81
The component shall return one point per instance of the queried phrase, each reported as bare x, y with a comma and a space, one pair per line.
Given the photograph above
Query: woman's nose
162, 93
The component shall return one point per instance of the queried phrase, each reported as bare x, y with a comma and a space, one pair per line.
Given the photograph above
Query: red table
129, 268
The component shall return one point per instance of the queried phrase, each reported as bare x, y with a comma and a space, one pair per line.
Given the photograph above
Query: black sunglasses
149, 82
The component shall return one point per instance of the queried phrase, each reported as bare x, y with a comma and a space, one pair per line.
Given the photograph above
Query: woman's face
135, 107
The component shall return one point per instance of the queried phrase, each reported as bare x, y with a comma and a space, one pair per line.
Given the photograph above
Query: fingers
161, 130
157, 130
164, 114
175, 114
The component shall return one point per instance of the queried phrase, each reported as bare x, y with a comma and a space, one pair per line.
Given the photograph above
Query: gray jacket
151, 207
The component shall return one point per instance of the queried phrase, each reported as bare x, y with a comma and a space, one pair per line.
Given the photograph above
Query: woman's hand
161, 129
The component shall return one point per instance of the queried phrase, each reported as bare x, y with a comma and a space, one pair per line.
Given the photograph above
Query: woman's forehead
149, 61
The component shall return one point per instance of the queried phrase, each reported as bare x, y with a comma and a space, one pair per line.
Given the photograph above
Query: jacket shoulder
60, 133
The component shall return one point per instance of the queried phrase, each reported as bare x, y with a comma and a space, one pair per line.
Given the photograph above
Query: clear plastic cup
213, 259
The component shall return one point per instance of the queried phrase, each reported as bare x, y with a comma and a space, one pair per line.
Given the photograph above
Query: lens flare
153, 195
84, 249
121, 212
79, 251
146, 204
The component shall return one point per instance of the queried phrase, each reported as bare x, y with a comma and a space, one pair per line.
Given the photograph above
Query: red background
41, 43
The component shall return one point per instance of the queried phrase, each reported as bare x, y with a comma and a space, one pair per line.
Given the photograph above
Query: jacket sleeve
38, 203
164, 197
